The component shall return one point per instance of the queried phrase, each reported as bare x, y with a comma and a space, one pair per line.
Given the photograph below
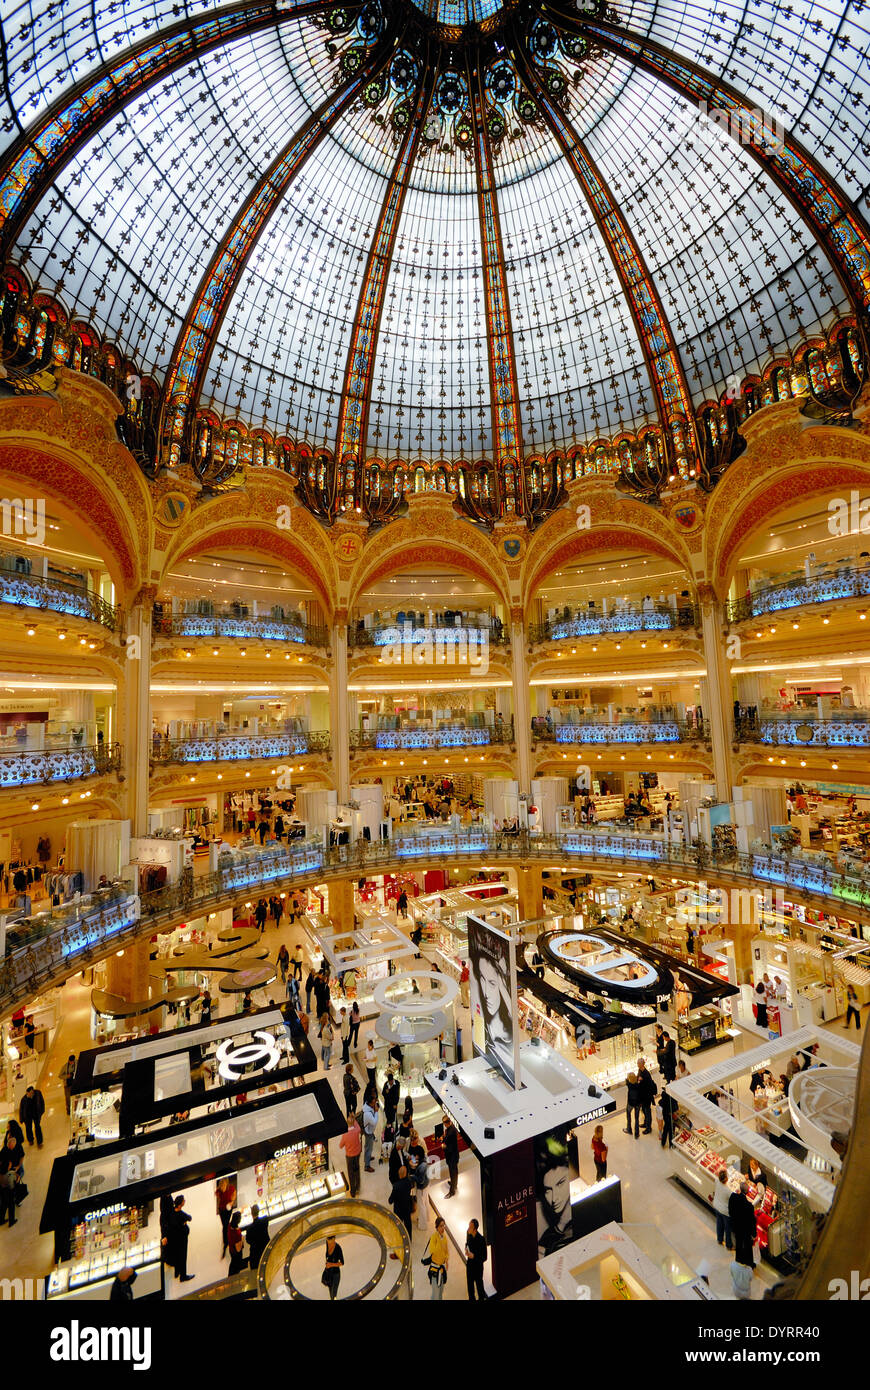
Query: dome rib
195, 341
35, 161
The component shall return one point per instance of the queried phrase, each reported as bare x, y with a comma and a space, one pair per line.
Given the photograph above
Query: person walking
278, 912
297, 955
402, 1200
11, 1169
632, 1104
743, 1225
647, 1092
721, 1198
370, 1061
852, 1009
350, 1087
439, 1256
475, 1259
351, 1142
668, 1062
327, 1035
180, 1237
309, 990
355, 1021
451, 1154
390, 1095
293, 992
261, 912
283, 962
65, 1076
464, 986
258, 1237
370, 1124
30, 1112
226, 1200
236, 1242
321, 994
344, 1034
599, 1153
668, 1107
331, 1276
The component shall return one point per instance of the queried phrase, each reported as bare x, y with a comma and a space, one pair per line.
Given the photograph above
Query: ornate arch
430, 539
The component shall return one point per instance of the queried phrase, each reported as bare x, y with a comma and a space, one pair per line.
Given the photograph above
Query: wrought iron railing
231, 623
848, 730
628, 731
457, 642
827, 585
655, 617
30, 769
234, 748
55, 596
453, 737
35, 965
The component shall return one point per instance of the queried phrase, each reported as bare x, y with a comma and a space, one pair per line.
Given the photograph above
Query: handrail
309, 863
44, 766
395, 634
56, 596
221, 748
842, 581
454, 736
850, 729
628, 731
659, 617
226, 623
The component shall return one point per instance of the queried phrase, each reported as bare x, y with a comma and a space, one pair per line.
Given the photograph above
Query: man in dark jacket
475, 1258
258, 1236
180, 1234
741, 1213
390, 1095
669, 1109
451, 1154
350, 1086
396, 1159
30, 1113
122, 1288
647, 1091
668, 1058
401, 1198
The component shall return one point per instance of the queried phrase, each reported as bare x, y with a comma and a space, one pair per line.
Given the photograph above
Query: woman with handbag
236, 1241
327, 1036
331, 1275
439, 1255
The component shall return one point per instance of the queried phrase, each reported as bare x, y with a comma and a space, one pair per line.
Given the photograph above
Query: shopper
350, 1087
390, 1095
464, 987
30, 1113
370, 1124
11, 1170
668, 1107
226, 1199
599, 1153
236, 1242
261, 912
451, 1154
283, 962
439, 1256
668, 1061
331, 1276
743, 1225
180, 1237
122, 1286
293, 993
761, 1006
65, 1075
370, 1061
309, 990
344, 1033
852, 1009
475, 1259
632, 1106
402, 1200
355, 1021
297, 949
741, 1280
205, 1007
351, 1142
721, 1198
321, 994
398, 1057
327, 1035
647, 1091
258, 1237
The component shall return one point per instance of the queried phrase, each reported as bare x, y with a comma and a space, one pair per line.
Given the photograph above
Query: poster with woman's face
492, 982
555, 1167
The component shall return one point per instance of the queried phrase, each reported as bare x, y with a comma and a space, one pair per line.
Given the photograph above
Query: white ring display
263, 1055
414, 1004
822, 1101
601, 964
398, 1028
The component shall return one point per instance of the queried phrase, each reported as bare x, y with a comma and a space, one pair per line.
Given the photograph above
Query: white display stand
371, 807
501, 798
169, 853
548, 795
97, 847
608, 1266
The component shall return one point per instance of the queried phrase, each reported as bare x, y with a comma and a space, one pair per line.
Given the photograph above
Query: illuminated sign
596, 1114
235, 1062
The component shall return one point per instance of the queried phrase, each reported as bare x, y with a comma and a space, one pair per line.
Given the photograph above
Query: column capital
145, 597
517, 616
339, 617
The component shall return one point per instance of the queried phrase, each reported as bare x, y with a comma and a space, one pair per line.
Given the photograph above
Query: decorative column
338, 712
128, 974
521, 703
530, 894
135, 721
718, 705
341, 903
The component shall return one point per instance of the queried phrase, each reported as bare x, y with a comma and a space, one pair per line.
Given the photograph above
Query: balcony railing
453, 737
800, 730
628, 731
829, 584
655, 617
458, 643
54, 596
233, 623
34, 966
235, 748
30, 769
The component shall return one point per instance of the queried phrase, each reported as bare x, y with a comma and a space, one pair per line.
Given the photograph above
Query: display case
82, 1275
702, 1028
296, 1177
94, 1116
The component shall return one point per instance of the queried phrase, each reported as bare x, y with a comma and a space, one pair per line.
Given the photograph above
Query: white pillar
338, 711
718, 706
136, 711
522, 712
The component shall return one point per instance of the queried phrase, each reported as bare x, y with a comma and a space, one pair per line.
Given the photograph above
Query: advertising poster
493, 993
555, 1167
509, 1198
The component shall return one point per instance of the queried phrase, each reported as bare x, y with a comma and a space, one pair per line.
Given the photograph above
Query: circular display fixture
605, 965
387, 1275
399, 1028
235, 1062
822, 1101
251, 978
441, 992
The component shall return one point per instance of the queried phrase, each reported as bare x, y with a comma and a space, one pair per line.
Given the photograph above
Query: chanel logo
263, 1055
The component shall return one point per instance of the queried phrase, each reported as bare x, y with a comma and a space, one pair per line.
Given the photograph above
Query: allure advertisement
511, 1228
493, 990
555, 1166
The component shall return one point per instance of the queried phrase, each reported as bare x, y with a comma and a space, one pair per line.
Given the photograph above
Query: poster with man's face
493, 991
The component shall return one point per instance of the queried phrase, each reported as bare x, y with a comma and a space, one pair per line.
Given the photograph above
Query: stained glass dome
443, 229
